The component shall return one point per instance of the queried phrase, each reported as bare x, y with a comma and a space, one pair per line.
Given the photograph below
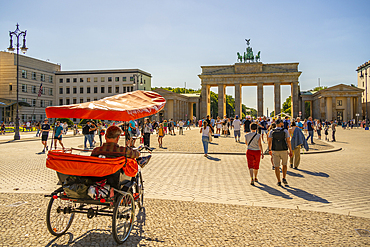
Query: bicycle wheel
123, 217
58, 216
140, 190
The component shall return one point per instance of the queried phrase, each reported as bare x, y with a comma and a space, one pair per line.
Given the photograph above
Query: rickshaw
100, 186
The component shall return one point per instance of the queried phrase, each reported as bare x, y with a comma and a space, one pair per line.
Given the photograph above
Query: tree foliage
319, 88
287, 106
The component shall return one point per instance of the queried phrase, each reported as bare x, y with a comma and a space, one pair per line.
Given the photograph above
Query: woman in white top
218, 125
205, 137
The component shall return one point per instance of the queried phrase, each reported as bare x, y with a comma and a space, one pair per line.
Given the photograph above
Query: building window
60, 90
339, 102
95, 99
81, 89
60, 101
102, 79
88, 79
10, 87
67, 102
24, 100
117, 89
144, 88
144, 81
68, 80
74, 90
81, 100
124, 89
24, 73
42, 78
81, 79
74, 79
109, 89
95, 89
50, 103
117, 78
95, 79
43, 90
42, 103
132, 89
34, 89
123, 78
74, 101
50, 78
102, 89
33, 102
109, 78
68, 90
24, 88
88, 90
50, 91
131, 78
88, 100
33, 75
61, 80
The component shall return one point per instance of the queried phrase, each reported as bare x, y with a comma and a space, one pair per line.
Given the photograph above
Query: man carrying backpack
279, 143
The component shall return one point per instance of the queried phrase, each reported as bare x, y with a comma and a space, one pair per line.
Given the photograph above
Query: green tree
272, 114
287, 106
319, 88
307, 109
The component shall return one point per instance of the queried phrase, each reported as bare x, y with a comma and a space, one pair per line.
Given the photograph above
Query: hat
236, 116
278, 121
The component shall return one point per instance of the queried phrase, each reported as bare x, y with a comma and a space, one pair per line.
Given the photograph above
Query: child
326, 129
254, 152
160, 134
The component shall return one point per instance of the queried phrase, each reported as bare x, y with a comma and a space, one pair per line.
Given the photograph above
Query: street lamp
136, 81
17, 33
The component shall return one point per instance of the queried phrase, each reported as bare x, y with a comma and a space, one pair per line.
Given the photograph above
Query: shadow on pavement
305, 195
318, 174
293, 174
103, 237
213, 143
272, 191
213, 158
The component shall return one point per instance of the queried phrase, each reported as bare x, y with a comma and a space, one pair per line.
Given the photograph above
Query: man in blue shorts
45, 128
263, 126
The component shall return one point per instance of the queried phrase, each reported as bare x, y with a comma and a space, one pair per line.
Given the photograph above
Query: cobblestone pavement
193, 200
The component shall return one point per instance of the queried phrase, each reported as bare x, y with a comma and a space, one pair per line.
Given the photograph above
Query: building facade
32, 73
340, 102
363, 82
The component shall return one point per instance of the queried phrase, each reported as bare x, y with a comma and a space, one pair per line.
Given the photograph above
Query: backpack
279, 140
85, 130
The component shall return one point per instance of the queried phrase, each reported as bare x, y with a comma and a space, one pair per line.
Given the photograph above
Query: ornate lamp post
17, 33
136, 80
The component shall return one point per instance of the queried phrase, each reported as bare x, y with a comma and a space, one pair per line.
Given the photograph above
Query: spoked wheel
58, 216
140, 190
123, 217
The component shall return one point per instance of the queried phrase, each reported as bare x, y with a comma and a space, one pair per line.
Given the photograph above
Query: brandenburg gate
249, 73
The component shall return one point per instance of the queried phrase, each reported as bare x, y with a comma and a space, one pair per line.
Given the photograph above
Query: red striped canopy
121, 107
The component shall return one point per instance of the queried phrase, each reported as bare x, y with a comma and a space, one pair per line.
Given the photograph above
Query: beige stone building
73, 87
249, 74
363, 82
340, 102
32, 72
178, 106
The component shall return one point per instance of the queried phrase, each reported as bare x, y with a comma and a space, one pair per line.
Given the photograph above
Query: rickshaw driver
111, 149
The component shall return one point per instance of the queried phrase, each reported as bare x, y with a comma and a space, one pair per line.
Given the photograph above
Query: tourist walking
298, 139
86, 133
58, 131
45, 128
333, 129
272, 127
160, 135
310, 126
254, 152
147, 131
205, 130
132, 130
236, 124
181, 127
2, 129
218, 125
38, 129
279, 144
263, 126
247, 124
326, 132
100, 133
318, 129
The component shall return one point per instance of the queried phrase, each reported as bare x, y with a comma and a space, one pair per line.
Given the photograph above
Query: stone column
322, 107
295, 95
205, 107
277, 98
303, 109
334, 107
348, 109
238, 100
259, 99
221, 101
359, 107
190, 111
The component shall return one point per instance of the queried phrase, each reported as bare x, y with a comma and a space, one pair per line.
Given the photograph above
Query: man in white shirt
181, 126
236, 124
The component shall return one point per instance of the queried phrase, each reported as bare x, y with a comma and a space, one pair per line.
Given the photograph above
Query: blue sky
172, 39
